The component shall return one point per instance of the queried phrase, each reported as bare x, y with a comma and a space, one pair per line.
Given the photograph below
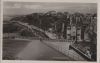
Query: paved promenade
37, 50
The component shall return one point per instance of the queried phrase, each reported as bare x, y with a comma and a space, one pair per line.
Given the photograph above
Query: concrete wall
63, 47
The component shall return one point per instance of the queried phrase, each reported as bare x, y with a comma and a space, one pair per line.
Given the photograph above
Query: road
36, 50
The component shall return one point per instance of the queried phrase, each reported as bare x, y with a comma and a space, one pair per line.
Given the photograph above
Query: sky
21, 8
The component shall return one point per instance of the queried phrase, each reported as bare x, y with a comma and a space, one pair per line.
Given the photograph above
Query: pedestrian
40, 39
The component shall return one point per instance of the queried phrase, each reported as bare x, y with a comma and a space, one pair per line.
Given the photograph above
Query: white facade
79, 33
72, 31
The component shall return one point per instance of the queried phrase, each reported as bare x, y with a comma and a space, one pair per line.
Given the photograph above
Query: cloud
32, 6
27, 8
13, 6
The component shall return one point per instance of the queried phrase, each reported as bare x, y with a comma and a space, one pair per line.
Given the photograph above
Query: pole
76, 28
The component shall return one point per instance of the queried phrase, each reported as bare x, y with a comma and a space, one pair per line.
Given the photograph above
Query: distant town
62, 25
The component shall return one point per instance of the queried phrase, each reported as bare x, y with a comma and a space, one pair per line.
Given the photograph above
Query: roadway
37, 50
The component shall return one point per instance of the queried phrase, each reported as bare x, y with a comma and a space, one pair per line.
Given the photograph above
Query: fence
9, 36
81, 53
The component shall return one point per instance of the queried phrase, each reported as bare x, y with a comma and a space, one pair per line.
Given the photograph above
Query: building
73, 33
